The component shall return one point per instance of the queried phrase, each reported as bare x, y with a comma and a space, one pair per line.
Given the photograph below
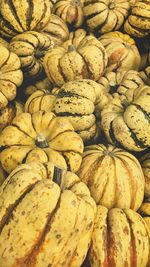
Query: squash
57, 30
71, 11
2, 175
31, 47
8, 113
79, 101
120, 238
145, 163
47, 215
42, 83
40, 137
113, 176
126, 118
145, 74
105, 16
40, 100
10, 76
122, 52
145, 211
74, 60
138, 22
19, 16
4, 43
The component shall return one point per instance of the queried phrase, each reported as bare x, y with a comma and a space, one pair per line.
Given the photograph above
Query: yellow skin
145, 163
145, 211
24, 17
40, 137
125, 120
10, 76
120, 238
51, 224
44, 83
113, 176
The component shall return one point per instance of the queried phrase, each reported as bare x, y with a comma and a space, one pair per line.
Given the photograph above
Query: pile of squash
74, 133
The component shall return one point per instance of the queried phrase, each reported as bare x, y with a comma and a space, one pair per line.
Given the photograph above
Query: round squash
74, 60
120, 238
40, 137
57, 30
10, 76
105, 16
145, 163
20, 16
121, 50
40, 100
7, 114
145, 211
46, 218
126, 119
31, 47
42, 83
113, 176
71, 11
138, 22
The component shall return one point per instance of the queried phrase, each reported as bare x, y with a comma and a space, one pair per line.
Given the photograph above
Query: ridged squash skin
145, 163
74, 60
79, 101
19, 16
145, 211
10, 76
46, 218
39, 137
122, 51
56, 29
113, 176
7, 114
126, 119
3, 175
105, 16
120, 238
40, 100
71, 11
138, 22
31, 47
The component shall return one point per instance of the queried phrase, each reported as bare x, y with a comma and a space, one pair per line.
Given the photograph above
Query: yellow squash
145, 163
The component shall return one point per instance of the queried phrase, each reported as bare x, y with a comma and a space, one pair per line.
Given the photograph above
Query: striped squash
113, 176
120, 238
19, 16
105, 16
71, 11
10, 76
40, 137
74, 60
145, 163
145, 211
126, 119
138, 22
122, 52
145, 75
31, 47
47, 216
57, 30
8, 113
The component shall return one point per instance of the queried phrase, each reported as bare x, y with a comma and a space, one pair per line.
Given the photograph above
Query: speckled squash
120, 238
10, 76
57, 30
105, 16
7, 114
40, 137
138, 22
113, 176
31, 47
46, 218
78, 101
145, 163
40, 100
145, 211
71, 11
126, 119
122, 51
74, 60
19, 16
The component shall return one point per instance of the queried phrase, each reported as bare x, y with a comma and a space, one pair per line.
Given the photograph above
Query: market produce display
74, 133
